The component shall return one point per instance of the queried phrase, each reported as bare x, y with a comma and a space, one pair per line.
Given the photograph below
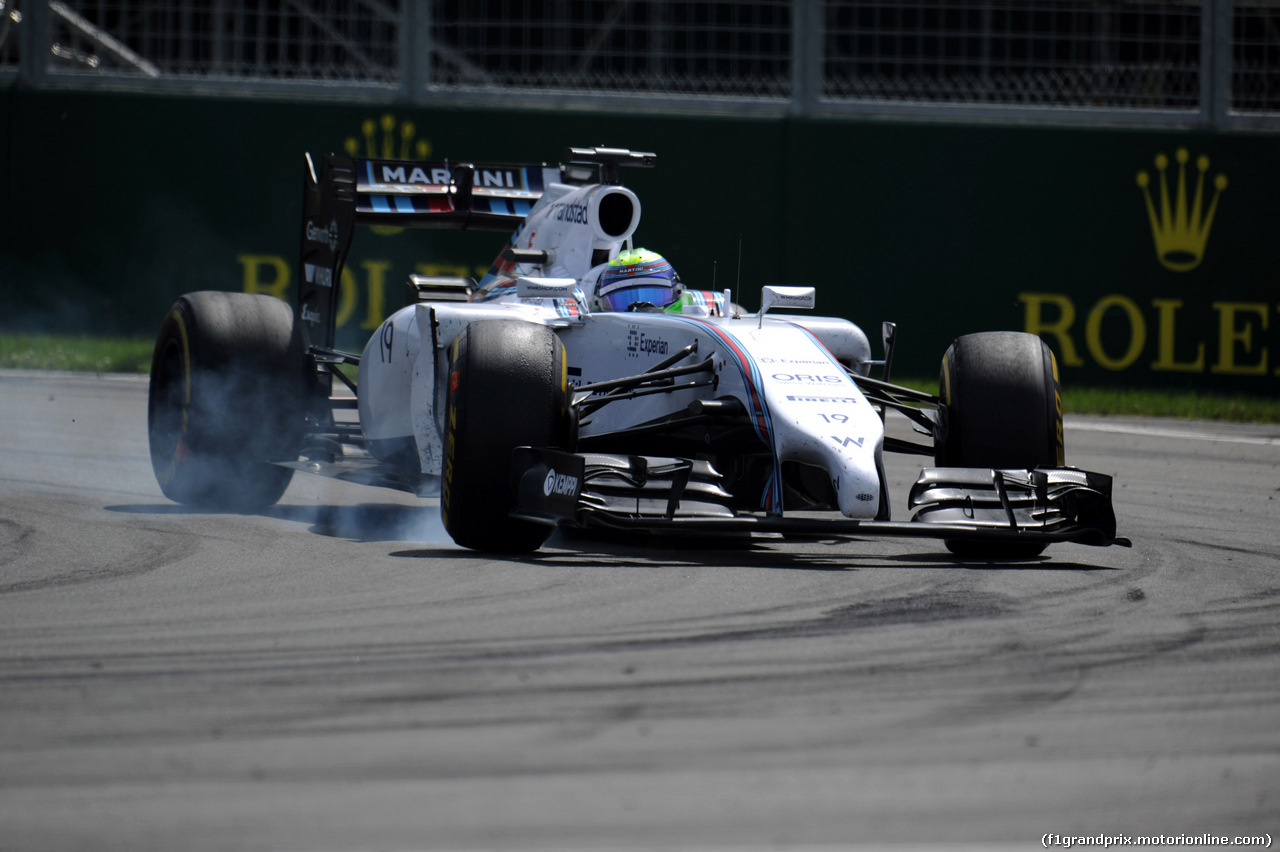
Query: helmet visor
624, 297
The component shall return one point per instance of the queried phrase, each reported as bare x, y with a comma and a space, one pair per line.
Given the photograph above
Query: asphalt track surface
336, 675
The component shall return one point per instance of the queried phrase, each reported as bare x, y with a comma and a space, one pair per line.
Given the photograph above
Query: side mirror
549, 288
786, 297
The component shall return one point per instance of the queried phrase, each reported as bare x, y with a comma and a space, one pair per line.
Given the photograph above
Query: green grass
1239, 408
77, 354
1191, 405
133, 355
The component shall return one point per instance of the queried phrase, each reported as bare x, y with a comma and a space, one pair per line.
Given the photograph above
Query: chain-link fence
1210, 63
215, 39
10, 19
1068, 54
726, 48
1255, 57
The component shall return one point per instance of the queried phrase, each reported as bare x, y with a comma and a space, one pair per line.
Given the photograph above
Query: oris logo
805, 379
559, 483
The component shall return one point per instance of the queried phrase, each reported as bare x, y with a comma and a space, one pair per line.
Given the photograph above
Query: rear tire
1003, 404
507, 389
226, 399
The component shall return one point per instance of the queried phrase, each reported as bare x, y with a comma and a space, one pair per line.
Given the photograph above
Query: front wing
682, 496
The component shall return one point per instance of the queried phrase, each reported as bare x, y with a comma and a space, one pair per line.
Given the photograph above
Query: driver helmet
638, 277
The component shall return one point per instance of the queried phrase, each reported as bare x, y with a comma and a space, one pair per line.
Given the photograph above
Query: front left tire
507, 387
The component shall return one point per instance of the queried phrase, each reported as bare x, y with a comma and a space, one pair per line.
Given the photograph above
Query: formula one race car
581, 383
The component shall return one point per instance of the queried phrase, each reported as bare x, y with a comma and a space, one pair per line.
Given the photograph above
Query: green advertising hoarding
1144, 257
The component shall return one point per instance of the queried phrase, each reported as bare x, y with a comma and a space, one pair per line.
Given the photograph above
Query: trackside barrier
1143, 256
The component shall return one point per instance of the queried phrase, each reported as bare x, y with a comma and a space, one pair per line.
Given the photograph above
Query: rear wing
350, 191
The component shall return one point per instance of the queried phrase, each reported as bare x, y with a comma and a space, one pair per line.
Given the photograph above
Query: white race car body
700, 417
799, 397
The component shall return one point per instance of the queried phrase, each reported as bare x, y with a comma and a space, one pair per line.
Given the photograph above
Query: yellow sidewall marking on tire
564, 379
946, 380
186, 368
1061, 449
180, 451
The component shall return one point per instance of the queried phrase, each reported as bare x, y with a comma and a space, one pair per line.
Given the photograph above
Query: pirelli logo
832, 399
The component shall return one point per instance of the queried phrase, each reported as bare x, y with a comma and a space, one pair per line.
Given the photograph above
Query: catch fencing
1210, 64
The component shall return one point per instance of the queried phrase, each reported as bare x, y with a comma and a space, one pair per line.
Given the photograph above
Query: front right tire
1003, 406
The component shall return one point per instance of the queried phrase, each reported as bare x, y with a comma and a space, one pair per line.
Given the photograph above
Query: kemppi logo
559, 483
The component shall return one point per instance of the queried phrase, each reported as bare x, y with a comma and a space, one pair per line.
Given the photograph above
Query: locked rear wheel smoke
226, 400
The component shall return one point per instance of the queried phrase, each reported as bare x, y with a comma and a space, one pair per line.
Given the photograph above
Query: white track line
1167, 432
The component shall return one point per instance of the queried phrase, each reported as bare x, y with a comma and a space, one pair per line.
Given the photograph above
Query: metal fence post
34, 35
1219, 44
806, 56
416, 50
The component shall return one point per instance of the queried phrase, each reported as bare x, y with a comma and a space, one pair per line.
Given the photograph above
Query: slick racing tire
1003, 406
226, 400
506, 389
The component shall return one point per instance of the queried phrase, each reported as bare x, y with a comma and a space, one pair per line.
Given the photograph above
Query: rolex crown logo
392, 143
1180, 229
387, 140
